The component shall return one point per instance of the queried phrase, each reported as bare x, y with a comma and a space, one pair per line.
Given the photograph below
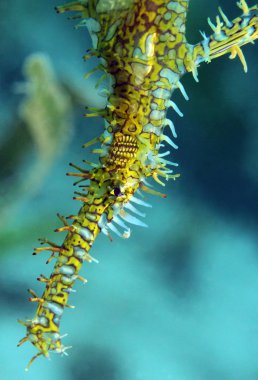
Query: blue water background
176, 301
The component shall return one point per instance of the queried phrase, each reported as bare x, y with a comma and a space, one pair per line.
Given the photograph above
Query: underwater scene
178, 300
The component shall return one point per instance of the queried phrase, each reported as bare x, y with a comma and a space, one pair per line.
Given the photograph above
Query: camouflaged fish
143, 49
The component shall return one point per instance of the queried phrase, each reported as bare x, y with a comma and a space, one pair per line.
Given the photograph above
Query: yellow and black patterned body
139, 60
143, 48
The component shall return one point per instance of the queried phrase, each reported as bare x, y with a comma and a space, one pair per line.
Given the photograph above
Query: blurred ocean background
176, 301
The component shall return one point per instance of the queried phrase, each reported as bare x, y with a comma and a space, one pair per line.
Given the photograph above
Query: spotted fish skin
144, 50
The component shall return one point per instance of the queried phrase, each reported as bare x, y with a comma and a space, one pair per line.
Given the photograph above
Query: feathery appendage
228, 38
143, 49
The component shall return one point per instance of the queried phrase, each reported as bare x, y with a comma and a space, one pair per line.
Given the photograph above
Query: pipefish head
121, 192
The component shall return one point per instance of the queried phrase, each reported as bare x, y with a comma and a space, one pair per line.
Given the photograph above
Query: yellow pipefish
143, 48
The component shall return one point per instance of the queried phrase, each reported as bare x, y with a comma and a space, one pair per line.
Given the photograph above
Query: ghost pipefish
143, 48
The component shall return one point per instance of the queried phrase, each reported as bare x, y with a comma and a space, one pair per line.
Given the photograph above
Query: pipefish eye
117, 191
